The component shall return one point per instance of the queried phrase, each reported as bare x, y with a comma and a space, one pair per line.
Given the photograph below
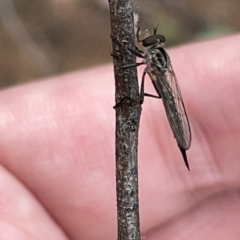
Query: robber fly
164, 80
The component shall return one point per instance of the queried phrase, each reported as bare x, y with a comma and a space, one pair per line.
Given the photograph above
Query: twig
128, 112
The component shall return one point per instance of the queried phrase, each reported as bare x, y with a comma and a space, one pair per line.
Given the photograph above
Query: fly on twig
164, 80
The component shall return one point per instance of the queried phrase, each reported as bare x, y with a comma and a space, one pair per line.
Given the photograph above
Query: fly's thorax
153, 72
157, 56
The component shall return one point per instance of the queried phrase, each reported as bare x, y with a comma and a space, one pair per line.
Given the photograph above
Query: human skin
57, 154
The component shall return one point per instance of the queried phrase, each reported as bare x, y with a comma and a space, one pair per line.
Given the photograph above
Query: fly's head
154, 40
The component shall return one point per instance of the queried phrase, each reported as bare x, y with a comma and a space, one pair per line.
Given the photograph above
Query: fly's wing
167, 87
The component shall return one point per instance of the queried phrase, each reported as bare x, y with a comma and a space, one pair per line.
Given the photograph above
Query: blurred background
43, 38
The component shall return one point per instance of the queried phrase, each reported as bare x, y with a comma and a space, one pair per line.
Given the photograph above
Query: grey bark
128, 112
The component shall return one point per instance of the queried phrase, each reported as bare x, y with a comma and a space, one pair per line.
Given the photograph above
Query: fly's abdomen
166, 86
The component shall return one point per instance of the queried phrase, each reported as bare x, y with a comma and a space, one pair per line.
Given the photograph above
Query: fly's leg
137, 34
131, 65
142, 87
142, 93
150, 95
125, 99
136, 52
121, 101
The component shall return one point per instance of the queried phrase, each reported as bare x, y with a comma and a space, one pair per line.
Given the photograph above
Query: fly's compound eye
161, 38
149, 41
152, 40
